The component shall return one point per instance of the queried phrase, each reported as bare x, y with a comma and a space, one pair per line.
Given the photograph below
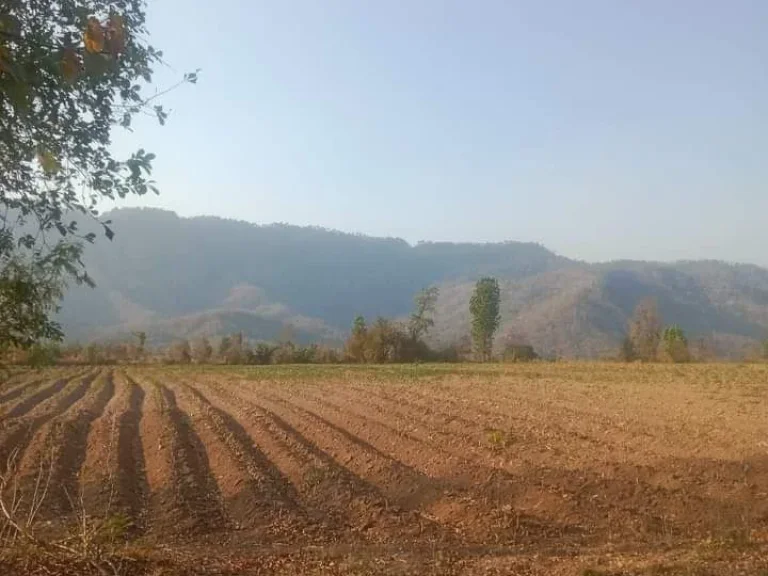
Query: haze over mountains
188, 277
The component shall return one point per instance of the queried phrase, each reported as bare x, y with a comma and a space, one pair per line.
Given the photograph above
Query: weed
317, 475
499, 439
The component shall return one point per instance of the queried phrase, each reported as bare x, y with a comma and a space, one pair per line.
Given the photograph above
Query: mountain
188, 277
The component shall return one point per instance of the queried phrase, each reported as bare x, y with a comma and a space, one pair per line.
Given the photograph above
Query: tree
645, 330
703, 349
179, 352
29, 296
70, 72
674, 344
385, 342
224, 346
356, 343
234, 354
484, 308
202, 351
95, 354
141, 342
43, 354
627, 350
262, 353
424, 309
285, 353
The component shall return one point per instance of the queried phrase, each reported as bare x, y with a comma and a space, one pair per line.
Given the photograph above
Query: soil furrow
131, 471
20, 433
334, 496
477, 504
251, 498
58, 446
14, 392
29, 403
71, 441
193, 503
101, 475
409, 424
493, 420
155, 438
197, 487
426, 413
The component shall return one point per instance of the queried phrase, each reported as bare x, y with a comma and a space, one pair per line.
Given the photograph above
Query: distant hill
188, 277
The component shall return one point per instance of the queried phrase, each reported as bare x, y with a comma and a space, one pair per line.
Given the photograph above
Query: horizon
422, 241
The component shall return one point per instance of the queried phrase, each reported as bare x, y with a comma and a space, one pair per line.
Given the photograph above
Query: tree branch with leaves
70, 72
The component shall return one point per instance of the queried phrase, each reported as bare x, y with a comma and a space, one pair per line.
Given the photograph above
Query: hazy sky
629, 129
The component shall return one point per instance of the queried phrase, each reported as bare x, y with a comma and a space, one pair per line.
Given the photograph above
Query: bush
262, 354
43, 354
285, 353
384, 342
519, 353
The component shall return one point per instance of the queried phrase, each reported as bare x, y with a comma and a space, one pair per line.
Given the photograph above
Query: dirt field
539, 469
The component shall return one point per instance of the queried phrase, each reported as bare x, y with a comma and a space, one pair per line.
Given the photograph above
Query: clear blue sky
612, 129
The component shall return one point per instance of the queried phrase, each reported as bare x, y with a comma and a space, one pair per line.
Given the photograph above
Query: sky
601, 129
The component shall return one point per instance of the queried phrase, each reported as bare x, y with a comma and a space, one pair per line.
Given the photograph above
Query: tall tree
422, 318
675, 344
645, 330
141, 342
627, 350
356, 343
70, 71
484, 308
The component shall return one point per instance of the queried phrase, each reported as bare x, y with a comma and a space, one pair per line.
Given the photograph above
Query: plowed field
531, 469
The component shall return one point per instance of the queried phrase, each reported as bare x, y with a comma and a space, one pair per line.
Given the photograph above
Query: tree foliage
180, 352
385, 341
70, 71
422, 317
29, 294
627, 350
357, 341
645, 330
674, 344
484, 308
202, 351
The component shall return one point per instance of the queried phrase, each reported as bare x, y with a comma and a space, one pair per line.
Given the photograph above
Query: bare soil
571, 469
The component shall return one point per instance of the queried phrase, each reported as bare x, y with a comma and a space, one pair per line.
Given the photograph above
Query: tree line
382, 341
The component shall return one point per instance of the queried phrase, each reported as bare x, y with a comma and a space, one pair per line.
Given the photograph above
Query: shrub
519, 353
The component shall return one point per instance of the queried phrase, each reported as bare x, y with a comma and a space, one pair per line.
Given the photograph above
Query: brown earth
571, 469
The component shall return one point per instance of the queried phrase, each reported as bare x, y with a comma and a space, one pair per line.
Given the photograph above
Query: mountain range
176, 277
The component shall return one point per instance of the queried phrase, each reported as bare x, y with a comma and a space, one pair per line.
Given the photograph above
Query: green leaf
48, 162
10, 24
96, 64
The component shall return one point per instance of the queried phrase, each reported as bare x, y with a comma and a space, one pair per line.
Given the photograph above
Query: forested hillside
175, 277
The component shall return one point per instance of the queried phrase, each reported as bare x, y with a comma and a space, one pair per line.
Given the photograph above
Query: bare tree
645, 330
